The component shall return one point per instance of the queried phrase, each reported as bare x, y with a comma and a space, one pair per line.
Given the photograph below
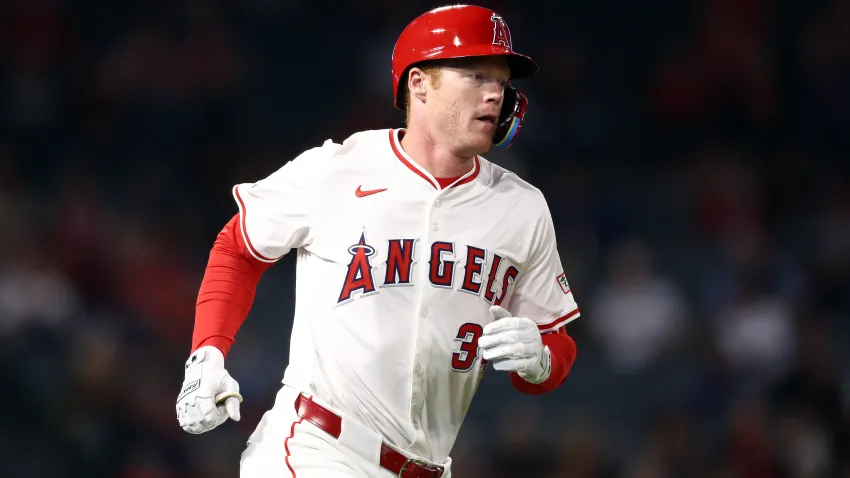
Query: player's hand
514, 344
209, 395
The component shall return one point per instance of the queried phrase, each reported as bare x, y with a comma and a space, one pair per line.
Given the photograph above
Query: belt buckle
421, 463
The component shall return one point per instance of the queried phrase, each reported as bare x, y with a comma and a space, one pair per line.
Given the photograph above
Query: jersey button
437, 203
418, 369
424, 312
435, 226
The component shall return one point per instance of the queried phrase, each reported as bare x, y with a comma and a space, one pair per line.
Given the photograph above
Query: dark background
694, 155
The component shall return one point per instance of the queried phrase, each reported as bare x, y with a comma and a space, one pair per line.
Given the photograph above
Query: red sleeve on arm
562, 349
227, 290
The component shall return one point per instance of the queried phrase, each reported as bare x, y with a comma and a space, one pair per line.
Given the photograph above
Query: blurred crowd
694, 155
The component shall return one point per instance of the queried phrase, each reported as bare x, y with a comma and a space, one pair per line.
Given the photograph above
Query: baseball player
419, 265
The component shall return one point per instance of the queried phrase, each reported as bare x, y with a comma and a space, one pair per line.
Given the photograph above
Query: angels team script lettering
487, 275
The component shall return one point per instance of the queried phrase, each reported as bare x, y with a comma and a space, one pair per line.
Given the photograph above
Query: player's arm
274, 217
227, 289
529, 338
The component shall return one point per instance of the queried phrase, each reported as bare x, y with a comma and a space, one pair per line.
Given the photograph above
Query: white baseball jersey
395, 278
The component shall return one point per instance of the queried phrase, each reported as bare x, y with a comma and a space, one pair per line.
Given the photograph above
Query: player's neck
440, 162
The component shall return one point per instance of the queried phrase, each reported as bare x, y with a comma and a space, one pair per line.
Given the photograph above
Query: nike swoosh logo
362, 194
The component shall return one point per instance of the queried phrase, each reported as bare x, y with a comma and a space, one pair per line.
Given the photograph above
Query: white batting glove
206, 378
514, 344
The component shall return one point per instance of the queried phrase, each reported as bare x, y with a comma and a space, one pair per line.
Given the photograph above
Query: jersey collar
421, 172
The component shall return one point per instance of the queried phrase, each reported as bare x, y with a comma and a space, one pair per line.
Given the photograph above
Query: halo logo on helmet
463, 31
501, 34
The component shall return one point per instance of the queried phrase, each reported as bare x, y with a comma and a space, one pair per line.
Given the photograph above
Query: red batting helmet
460, 31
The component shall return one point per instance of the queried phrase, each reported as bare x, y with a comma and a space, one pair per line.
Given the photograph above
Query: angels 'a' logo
562, 281
501, 34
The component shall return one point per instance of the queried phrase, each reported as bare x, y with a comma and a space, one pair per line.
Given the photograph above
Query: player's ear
416, 83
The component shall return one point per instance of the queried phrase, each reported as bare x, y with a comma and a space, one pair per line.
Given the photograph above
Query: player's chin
481, 141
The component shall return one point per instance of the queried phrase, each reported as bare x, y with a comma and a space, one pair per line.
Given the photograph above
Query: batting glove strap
540, 373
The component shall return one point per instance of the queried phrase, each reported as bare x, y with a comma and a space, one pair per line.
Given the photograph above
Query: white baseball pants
286, 446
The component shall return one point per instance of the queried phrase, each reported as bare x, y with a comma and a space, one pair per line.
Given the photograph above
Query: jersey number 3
464, 358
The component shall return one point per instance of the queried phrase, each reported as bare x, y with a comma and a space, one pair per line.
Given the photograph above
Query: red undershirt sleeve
227, 290
562, 349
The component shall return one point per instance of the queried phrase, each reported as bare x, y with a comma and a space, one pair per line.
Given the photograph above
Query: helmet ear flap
514, 105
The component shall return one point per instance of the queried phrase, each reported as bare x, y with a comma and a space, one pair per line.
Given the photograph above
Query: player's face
465, 108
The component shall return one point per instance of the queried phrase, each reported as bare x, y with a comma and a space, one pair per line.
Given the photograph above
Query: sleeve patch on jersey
562, 281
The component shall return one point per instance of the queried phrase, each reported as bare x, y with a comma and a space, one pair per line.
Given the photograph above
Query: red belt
395, 462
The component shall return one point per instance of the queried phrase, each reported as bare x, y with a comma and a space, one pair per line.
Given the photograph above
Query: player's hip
300, 436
